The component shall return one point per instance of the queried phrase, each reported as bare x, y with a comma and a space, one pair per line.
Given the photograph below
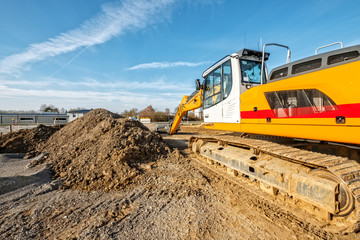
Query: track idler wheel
345, 196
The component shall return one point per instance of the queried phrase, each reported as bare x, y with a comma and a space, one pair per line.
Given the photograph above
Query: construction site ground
170, 196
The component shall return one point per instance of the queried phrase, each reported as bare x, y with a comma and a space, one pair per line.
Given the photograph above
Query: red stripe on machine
346, 110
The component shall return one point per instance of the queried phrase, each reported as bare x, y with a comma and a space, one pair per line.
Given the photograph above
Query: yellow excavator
300, 125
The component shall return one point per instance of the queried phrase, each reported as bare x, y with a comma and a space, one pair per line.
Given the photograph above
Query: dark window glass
299, 102
212, 94
279, 73
26, 119
217, 81
209, 90
306, 66
207, 103
342, 57
226, 78
250, 71
209, 82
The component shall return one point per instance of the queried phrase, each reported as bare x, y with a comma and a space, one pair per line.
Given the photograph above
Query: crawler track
272, 208
338, 169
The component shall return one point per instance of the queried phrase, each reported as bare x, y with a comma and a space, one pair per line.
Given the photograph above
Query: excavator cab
226, 80
224, 83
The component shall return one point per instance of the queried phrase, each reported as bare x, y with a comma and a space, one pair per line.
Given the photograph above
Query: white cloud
114, 19
165, 65
8, 92
152, 84
114, 100
115, 96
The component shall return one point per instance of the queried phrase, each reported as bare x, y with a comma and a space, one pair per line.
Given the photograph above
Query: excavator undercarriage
327, 186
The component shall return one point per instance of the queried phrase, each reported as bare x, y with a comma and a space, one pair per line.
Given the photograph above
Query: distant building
74, 114
33, 118
145, 120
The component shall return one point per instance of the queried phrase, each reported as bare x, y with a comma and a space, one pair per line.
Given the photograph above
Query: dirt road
177, 197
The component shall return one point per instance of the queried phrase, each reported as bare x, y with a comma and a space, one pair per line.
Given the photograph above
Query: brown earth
101, 151
26, 140
139, 186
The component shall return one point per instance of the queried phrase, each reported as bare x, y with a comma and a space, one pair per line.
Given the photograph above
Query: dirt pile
102, 151
26, 140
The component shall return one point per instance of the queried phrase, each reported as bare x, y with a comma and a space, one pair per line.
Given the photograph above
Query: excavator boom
188, 103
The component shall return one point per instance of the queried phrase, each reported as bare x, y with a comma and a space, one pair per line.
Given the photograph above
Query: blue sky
134, 53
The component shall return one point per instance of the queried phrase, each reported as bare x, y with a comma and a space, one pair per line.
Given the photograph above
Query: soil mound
26, 140
102, 151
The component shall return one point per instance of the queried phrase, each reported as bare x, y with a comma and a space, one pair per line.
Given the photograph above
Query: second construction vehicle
302, 125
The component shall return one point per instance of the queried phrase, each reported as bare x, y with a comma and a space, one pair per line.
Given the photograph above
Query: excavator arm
188, 103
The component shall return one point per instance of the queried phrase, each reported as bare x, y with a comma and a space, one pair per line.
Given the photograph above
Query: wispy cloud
53, 94
160, 84
114, 19
165, 65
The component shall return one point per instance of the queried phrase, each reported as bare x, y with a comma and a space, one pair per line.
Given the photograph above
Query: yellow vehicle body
315, 98
338, 123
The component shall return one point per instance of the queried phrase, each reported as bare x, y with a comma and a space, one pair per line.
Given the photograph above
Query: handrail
331, 44
263, 56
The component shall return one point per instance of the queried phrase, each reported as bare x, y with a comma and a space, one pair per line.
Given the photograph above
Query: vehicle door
231, 91
212, 97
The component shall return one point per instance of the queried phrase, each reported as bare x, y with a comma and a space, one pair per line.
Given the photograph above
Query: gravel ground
176, 200
175, 197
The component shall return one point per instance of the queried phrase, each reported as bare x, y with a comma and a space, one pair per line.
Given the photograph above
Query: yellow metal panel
235, 127
337, 133
340, 83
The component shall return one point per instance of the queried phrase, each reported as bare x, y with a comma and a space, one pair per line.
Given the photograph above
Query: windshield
251, 71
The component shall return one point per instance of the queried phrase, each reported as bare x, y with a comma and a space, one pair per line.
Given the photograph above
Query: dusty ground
5, 129
171, 196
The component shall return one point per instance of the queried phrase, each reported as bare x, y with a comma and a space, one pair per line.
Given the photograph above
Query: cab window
209, 82
227, 78
217, 85
217, 81
250, 71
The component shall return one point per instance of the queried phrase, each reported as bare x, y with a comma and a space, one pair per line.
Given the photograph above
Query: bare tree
43, 107
48, 108
130, 113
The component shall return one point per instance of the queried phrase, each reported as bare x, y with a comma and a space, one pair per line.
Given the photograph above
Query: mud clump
26, 140
102, 151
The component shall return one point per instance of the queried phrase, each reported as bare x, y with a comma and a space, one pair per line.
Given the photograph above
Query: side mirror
197, 83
